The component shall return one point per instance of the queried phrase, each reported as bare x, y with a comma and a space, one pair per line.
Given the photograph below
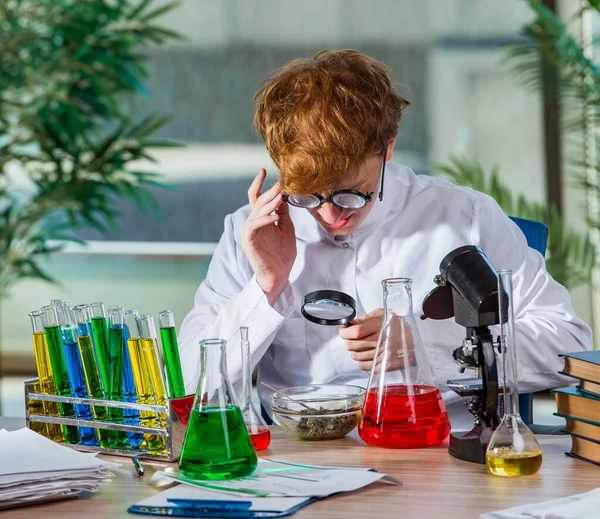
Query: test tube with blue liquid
69, 334
130, 416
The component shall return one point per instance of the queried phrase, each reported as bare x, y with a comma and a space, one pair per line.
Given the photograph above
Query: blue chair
536, 234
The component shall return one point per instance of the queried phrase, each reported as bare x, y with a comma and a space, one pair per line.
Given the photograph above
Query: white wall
477, 110
213, 23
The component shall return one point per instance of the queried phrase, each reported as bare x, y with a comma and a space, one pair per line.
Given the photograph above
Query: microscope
467, 289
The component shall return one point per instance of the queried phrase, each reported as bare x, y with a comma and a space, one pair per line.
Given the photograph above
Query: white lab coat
419, 221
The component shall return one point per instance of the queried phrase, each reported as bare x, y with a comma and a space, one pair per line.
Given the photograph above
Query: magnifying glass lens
329, 307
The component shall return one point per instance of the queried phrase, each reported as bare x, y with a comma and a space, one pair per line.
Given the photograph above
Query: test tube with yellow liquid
58, 365
151, 356
36, 407
153, 443
44, 370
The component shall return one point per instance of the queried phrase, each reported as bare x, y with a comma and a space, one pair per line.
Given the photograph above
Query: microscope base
471, 446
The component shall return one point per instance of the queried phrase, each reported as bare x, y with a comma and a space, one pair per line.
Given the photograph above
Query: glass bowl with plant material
318, 411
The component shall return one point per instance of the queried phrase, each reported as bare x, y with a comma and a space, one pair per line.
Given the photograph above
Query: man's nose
330, 213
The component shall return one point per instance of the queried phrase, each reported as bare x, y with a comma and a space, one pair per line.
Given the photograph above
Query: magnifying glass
329, 307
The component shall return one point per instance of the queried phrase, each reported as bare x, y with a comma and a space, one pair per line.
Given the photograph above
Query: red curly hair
320, 116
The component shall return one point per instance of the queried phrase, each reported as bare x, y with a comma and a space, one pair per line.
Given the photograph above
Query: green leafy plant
570, 255
547, 42
549, 59
70, 72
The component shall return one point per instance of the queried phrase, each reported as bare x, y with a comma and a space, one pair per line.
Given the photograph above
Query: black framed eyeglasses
344, 198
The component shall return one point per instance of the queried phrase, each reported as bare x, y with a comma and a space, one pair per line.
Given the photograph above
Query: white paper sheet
284, 479
579, 506
25, 451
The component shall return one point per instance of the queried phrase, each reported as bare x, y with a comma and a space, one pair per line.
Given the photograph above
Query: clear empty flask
513, 449
258, 429
403, 407
217, 444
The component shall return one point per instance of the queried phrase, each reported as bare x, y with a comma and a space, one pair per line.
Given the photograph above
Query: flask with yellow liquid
513, 449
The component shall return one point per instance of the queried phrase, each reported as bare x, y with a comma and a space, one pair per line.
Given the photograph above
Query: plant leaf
570, 255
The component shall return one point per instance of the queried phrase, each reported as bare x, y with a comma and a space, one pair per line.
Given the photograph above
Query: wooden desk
435, 485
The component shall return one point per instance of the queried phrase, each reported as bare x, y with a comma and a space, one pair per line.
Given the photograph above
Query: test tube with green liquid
93, 383
154, 443
59, 368
168, 337
100, 340
44, 370
114, 365
150, 354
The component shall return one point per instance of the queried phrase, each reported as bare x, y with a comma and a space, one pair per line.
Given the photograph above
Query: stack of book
580, 405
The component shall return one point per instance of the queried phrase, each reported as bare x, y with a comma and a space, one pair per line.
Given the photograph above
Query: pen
138, 466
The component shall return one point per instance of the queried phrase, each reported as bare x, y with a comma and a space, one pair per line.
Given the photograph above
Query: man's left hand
360, 338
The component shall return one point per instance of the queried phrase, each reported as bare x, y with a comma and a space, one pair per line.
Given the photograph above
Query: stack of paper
35, 469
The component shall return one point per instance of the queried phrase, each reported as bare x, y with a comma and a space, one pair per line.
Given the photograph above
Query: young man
342, 218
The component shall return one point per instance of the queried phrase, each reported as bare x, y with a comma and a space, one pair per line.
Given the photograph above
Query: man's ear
390, 148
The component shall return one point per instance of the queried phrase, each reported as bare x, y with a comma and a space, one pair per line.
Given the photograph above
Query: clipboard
182, 511
185, 501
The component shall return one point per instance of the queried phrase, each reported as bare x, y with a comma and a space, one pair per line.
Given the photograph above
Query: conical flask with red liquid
403, 407
257, 428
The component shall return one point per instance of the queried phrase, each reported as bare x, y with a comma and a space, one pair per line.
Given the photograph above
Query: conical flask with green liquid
217, 444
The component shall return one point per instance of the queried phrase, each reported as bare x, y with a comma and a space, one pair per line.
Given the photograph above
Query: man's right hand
269, 240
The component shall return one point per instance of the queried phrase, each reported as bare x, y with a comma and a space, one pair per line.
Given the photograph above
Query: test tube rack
174, 430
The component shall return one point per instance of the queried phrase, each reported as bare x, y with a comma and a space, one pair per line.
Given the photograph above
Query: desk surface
434, 483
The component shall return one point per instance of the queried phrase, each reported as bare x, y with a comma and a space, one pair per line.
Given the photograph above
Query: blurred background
449, 59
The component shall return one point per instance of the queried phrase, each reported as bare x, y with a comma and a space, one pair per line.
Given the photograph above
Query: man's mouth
340, 223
